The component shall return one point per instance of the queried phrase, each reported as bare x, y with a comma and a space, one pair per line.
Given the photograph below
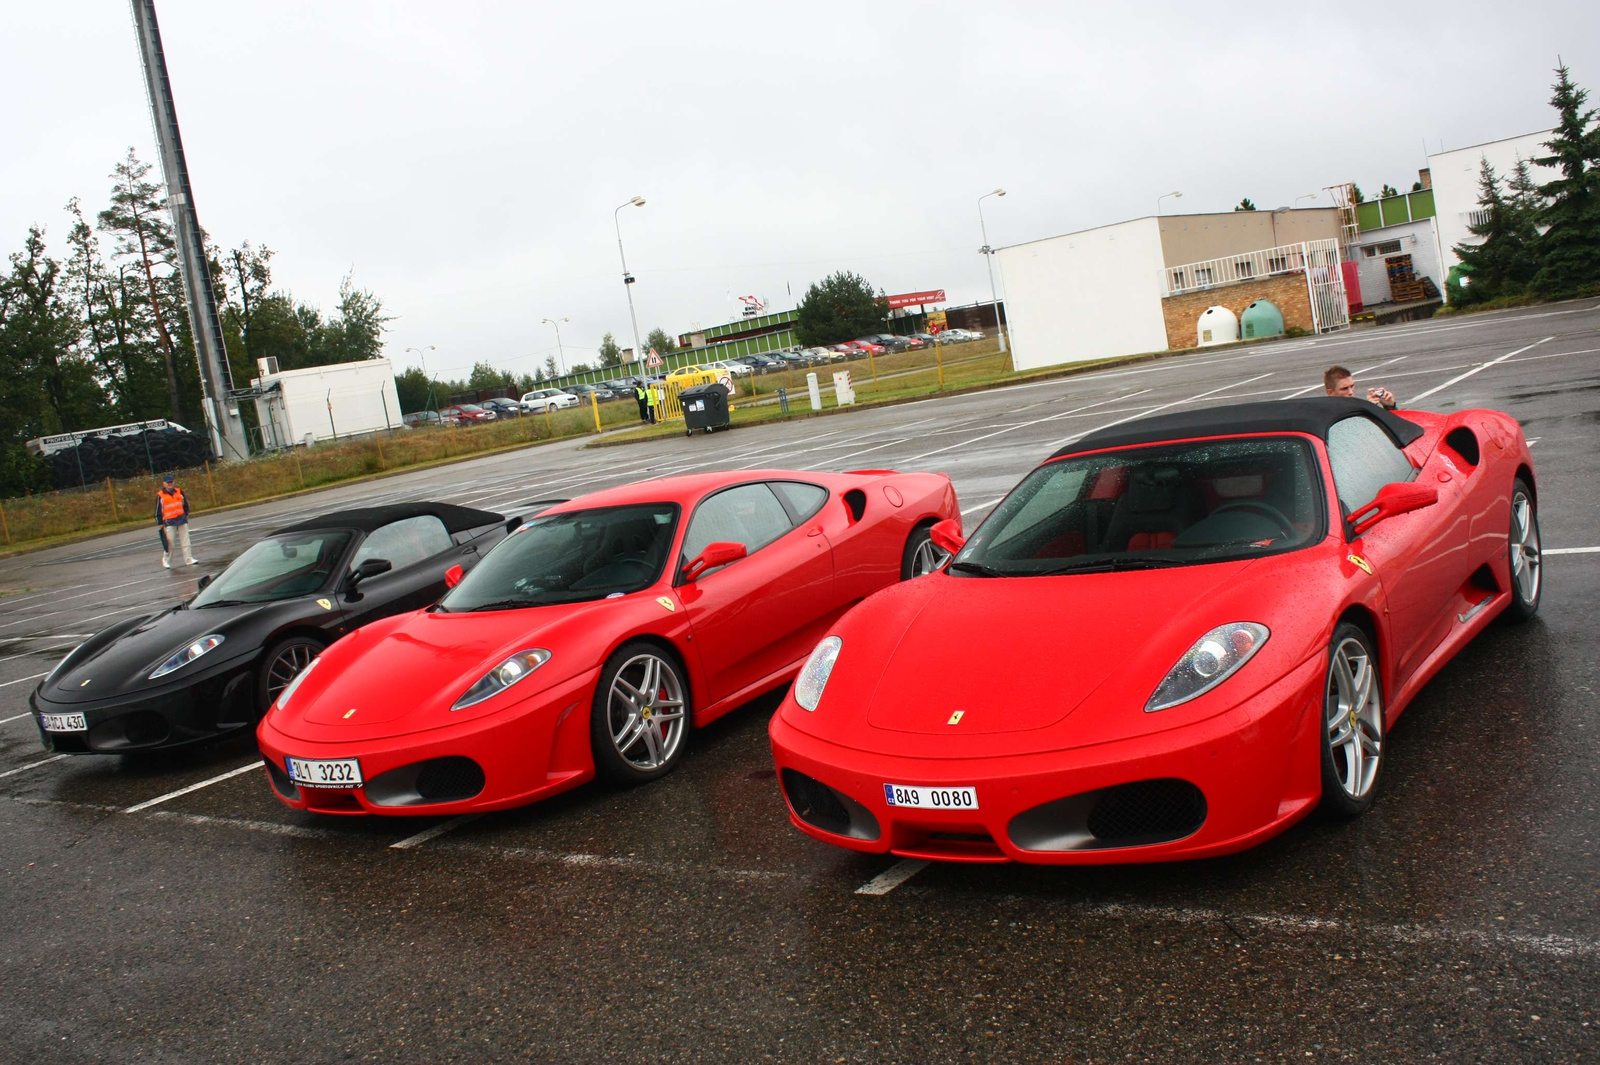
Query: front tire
1352, 725
282, 663
1527, 563
639, 724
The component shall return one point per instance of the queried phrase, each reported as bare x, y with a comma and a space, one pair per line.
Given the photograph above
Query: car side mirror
1400, 497
717, 554
946, 535
200, 585
453, 575
372, 567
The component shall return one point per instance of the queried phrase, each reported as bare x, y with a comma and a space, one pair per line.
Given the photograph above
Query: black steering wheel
1266, 510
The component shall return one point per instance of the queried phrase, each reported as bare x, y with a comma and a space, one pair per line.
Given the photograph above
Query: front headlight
503, 676
184, 655
1211, 660
288, 689
815, 673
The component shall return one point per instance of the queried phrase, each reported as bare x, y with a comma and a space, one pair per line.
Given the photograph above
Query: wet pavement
1459, 920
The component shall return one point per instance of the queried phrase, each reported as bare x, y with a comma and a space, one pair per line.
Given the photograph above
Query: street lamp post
627, 278
433, 399
1307, 196
559, 350
988, 252
1164, 195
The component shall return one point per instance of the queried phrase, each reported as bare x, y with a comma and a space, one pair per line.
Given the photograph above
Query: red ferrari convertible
593, 637
1173, 639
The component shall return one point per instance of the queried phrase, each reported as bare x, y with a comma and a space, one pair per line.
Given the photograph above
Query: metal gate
1330, 307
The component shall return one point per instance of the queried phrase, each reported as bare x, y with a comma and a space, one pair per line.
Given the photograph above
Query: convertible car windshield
1147, 507
279, 567
571, 557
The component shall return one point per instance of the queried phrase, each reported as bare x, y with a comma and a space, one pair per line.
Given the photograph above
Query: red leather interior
1150, 541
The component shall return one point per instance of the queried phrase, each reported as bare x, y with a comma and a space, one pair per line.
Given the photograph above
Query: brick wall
1288, 291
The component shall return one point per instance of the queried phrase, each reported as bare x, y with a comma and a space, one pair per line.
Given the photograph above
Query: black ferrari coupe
213, 665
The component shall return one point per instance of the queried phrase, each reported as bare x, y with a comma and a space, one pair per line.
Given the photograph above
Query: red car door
751, 618
866, 545
1420, 558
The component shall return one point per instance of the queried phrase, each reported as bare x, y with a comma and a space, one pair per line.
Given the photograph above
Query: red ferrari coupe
593, 637
1173, 639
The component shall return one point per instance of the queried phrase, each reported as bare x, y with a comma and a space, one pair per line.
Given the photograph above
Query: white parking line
193, 787
1353, 373
22, 680
432, 833
980, 506
33, 765
1019, 425
893, 876
1477, 369
1571, 551
1152, 410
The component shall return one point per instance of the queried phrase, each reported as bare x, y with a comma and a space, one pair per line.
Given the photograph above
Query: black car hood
121, 665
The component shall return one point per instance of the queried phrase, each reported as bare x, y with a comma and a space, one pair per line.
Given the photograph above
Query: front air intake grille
281, 782
1147, 811
820, 806
449, 779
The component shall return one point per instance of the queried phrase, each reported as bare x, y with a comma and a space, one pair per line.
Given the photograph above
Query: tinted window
1171, 504
571, 557
803, 499
1364, 459
750, 515
279, 567
405, 542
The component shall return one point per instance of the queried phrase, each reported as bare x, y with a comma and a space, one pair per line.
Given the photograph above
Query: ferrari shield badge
666, 602
349, 713
1363, 563
955, 718
326, 604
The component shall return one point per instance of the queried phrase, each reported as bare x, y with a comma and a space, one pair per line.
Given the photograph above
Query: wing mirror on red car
946, 535
1400, 497
717, 554
453, 575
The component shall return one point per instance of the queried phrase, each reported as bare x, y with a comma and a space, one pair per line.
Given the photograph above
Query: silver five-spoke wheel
645, 711
1354, 718
928, 558
1525, 561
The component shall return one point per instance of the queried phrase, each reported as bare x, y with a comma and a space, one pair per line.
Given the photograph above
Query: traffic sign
652, 359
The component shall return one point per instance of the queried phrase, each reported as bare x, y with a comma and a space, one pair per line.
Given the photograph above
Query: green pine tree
840, 307
1491, 262
1246, 204
1569, 250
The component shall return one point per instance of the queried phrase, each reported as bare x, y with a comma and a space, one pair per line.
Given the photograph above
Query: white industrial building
325, 402
1455, 183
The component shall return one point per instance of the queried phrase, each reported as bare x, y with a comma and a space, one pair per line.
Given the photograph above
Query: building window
1245, 268
1388, 247
1203, 275
1278, 264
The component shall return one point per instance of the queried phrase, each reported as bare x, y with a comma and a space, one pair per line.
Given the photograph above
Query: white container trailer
325, 402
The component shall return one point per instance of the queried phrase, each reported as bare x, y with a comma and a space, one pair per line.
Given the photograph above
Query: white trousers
178, 543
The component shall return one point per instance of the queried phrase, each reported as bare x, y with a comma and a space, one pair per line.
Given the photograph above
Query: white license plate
64, 723
930, 798
325, 773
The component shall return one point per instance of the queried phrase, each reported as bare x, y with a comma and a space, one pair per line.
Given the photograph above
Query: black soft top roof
1314, 415
456, 519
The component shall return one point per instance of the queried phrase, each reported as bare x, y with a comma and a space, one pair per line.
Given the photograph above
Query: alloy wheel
1525, 558
284, 668
1354, 717
645, 711
928, 558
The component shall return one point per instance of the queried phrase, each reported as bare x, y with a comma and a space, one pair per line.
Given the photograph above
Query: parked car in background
869, 345
583, 390
761, 363
797, 360
622, 386
505, 408
733, 366
957, 336
548, 398
920, 340
467, 414
890, 343
847, 350
423, 419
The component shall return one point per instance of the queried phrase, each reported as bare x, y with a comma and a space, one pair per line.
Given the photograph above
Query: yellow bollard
595, 403
212, 482
938, 353
113, 490
549, 428
3, 526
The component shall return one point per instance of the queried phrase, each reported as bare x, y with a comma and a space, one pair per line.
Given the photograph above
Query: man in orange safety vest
172, 519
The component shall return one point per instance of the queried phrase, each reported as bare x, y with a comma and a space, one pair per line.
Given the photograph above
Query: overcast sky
463, 159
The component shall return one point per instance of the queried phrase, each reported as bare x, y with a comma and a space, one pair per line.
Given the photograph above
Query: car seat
1155, 508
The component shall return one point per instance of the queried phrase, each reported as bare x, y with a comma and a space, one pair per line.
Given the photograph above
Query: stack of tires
98, 457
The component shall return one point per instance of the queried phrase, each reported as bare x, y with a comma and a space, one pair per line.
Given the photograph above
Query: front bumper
196, 709
1220, 785
534, 748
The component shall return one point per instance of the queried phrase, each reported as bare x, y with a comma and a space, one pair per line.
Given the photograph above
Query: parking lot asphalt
1459, 920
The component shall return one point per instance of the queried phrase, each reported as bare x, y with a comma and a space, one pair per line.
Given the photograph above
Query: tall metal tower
216, 380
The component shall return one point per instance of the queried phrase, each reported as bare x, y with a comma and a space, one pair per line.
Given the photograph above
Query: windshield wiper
1112, 565
976, 567
500, 604
225, 602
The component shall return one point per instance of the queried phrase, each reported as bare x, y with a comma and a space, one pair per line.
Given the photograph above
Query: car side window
749, 514
405, 542
1364, 459
802, 499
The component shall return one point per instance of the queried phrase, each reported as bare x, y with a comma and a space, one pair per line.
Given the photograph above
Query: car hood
118, 661
401, 675
1022, 653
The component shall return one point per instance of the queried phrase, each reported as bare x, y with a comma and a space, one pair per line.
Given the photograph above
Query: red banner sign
912, 299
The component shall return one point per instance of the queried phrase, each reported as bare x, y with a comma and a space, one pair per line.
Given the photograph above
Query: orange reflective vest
171, 504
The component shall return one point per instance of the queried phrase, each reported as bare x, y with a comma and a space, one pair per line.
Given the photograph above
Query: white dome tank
1218, 325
